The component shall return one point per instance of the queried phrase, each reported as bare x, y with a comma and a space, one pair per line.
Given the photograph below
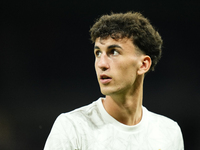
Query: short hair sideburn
131, 25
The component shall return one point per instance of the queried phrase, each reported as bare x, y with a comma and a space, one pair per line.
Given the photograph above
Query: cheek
95, 66
128, 68
96, 70
129, 72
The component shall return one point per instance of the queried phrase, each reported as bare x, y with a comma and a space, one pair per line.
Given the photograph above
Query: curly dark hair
131, 25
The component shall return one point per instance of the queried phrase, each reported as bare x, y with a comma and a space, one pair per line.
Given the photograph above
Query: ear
145, 65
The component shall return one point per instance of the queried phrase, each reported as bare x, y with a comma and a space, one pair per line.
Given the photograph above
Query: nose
103, 62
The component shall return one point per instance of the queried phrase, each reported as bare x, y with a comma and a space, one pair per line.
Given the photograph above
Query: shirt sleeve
63, 135
180, 142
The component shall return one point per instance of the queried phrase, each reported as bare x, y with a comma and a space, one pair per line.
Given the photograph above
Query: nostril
104, 69
103, 66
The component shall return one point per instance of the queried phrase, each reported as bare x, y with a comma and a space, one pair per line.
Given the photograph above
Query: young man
126, 48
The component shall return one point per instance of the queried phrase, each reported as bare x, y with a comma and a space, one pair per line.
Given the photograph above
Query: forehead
110, 41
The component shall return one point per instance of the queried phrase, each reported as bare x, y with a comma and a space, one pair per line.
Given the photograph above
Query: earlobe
145, 65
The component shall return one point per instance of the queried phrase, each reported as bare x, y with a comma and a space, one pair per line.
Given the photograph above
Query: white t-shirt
92, 128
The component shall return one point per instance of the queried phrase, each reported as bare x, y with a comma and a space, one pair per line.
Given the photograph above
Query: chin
107, 91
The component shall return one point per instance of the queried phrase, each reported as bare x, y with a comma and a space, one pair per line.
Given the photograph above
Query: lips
104, 79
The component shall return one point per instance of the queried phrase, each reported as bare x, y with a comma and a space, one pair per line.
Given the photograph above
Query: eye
97, 53
114, 52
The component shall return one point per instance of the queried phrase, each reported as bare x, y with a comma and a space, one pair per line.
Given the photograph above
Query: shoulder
168, 129
163, 131
164, 125
67, 128
162, 120
83, 111
78, 113
83, 116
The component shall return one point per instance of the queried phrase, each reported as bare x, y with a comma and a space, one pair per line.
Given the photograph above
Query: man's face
116, 64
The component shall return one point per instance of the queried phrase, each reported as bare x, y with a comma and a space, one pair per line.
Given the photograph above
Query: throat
128, 113
130, 118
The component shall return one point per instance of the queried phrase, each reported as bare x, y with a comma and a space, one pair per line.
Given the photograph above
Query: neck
126, 107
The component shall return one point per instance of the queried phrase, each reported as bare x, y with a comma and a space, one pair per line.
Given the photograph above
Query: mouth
104, 79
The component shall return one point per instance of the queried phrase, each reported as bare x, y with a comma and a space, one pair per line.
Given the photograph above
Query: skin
125, 66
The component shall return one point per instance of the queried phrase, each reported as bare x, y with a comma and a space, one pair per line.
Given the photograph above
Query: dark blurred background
47, 65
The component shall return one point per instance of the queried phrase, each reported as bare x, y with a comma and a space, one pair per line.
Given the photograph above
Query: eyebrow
96, 47
109, 47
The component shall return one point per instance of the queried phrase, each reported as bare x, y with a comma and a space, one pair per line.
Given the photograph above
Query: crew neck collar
125, 128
